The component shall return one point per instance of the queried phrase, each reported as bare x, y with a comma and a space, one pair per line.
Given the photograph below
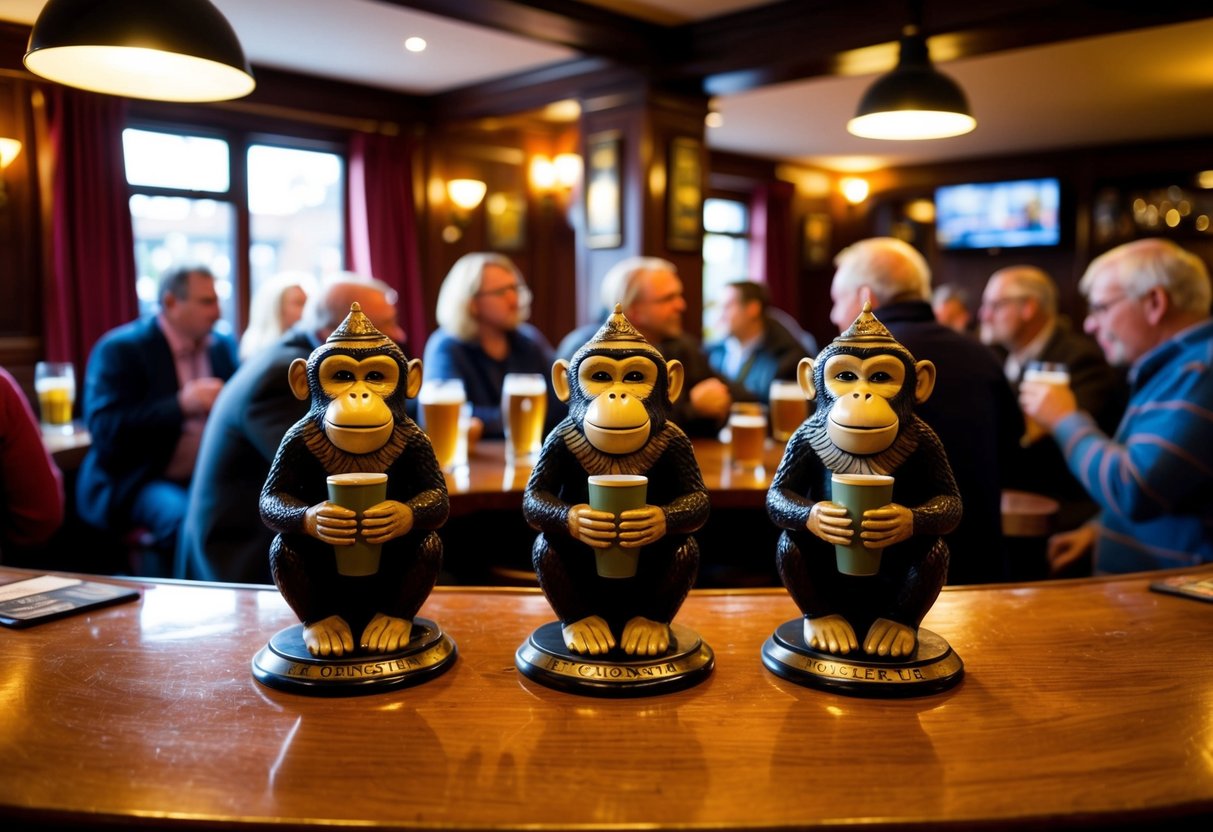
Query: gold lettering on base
611, 672
846, 670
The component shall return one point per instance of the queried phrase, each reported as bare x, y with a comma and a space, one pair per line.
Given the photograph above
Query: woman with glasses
482, 335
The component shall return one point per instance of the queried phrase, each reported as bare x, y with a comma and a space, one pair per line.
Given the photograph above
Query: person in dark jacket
972, 409
757, 349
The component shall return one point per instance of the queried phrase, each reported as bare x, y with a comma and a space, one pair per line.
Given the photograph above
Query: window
726, 256
186, 209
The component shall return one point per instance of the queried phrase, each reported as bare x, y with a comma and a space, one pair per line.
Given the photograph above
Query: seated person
482, 335
758, 349
276, 306
223, 537
1019, 319
149, 387
952, 308
31, 486
650, 292
1148, 307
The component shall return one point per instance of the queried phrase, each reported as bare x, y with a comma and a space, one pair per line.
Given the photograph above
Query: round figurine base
285, 664
933, 668
545, 659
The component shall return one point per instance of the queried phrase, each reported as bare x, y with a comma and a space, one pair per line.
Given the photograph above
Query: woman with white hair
276, 306
482, 335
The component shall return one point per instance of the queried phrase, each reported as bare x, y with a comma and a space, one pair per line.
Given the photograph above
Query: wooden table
1088, 702
491, 482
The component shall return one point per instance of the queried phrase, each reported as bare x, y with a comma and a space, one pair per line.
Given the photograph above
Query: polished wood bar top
1084, 703
490, 481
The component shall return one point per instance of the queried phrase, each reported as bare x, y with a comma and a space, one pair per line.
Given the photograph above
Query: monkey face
357, 419
862, 420
616, 419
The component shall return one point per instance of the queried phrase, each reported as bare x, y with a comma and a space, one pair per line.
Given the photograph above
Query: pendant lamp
914, 101
165, 50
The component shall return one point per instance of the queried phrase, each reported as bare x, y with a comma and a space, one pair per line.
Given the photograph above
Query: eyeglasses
501, 292
1096, 310
998, 303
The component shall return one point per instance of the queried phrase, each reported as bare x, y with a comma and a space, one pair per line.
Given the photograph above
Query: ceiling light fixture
914, 101
170, 50
415, 44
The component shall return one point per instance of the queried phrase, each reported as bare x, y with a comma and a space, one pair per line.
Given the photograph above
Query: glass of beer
55, 384
789, 408
442, 404
524, 407
1045, 372
747, 434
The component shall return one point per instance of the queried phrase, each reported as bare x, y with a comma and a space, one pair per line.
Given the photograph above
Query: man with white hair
223, 537
1019, 319
650, 292
1148, 307
972, 408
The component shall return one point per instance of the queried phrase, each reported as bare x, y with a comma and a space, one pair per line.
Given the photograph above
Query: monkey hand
886, 525
830, 522
593, 528
331, 523
386, 521
641, 526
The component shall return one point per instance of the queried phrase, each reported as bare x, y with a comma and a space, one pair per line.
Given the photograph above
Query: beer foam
748, 420
524, 385
787, 391
359, 478
1060, 377
441, 392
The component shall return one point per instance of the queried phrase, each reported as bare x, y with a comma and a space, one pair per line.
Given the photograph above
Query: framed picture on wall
684, 196
506, 219
816, 240
603, 199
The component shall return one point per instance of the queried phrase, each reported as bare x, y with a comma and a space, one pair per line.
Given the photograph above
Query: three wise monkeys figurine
615, 494
355, 494
863, 563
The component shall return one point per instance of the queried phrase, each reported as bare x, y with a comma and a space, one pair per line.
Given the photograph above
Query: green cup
859, 493
617, 493
358, 492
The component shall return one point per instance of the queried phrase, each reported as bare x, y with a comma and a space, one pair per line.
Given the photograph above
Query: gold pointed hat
867, 331
618, 333
358, 331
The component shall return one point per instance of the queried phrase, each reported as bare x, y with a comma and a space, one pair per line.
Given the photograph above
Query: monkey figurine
866, 385
619, 390
358, 382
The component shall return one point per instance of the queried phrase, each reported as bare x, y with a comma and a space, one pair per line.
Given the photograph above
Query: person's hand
1047, 403
475, 431
710, 398
1066, 548
198, 396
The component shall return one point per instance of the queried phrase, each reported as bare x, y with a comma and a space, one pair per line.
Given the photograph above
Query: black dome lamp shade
914, 101
165, 50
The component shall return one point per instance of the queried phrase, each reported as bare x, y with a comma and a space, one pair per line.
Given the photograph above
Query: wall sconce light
914, 101
170, 50
556, 177
9, 148
465, 195
854, 189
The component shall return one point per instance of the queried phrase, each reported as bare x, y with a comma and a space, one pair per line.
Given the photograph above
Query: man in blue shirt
1148, 307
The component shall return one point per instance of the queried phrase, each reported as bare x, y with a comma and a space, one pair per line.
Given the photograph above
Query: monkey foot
830, 634
643, 637
888, 638
590, 635
328, 637
386, 634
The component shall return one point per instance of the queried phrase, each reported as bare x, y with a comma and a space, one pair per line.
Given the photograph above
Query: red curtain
91, 288
383, 225
773, 255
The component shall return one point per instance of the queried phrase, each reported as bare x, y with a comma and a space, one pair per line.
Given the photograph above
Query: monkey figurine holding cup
355, 494
865, 577
615, 495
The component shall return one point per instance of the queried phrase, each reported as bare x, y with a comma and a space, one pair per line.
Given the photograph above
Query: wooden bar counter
1085, 703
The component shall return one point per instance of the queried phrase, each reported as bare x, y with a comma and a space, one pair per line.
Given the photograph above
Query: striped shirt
1154, 479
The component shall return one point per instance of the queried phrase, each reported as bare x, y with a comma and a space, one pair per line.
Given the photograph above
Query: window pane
175, 231
725, 259
296, 212
725, 216
168, 160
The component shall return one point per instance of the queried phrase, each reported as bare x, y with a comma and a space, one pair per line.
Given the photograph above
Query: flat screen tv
998, 214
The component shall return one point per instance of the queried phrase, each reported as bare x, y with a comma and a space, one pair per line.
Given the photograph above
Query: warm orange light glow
9, 148
854, 189
466, 193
